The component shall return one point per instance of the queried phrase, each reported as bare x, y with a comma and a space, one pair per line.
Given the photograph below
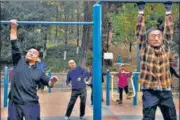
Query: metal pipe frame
136, 1
97, 62
48, 23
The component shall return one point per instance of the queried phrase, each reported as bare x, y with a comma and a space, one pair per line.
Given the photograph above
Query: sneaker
82, 118
66, 118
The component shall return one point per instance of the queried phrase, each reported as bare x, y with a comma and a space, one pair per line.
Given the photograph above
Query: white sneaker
66, 118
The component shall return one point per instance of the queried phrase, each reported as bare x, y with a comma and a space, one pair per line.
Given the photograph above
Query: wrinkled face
72, 64
155, 38
32, 55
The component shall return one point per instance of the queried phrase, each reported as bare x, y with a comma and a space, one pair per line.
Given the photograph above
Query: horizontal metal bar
48, 23
136, 1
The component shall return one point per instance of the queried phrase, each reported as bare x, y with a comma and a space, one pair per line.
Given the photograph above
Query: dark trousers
82, 93
162, 99
121, 92
92, 95
28, 111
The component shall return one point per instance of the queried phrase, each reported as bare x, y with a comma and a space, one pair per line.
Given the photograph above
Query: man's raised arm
169, 24
140, 27
16, 52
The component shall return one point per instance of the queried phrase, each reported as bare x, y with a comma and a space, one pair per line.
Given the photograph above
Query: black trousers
92, 94
82, 93
27, 111
121, 92
162, 99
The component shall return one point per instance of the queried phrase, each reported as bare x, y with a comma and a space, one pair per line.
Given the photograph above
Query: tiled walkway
53, 107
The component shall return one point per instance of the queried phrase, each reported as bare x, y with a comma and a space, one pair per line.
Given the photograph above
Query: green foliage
39, 35
55, 64
124, 23
55, 55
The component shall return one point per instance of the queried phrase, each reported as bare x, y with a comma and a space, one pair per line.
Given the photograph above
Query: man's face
72, 64
32, 55
155, 38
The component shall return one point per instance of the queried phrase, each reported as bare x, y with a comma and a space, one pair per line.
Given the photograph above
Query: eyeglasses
156, 35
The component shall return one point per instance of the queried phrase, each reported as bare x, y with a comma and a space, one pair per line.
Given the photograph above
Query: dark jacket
73, 76
25, 79
173, 72
103, 73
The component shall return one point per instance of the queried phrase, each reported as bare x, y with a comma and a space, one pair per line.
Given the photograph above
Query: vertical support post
65, 52
135, 81
77, 49
137, 58
6, 76
112, 87
108, 77
49, 75
119, 61
97, 61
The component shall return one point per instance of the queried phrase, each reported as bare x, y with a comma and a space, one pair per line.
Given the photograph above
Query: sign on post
108, 56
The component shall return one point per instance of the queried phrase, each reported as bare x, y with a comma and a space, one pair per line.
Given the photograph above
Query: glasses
156, 35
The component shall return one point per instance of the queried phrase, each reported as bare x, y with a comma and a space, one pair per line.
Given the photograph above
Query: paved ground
53, 107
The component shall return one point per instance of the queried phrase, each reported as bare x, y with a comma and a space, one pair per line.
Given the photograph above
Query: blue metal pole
108, 77
135, 80
119, 61
135, 1
48, 23
49, 75
137, 58
97, 61
136, 75
6, 76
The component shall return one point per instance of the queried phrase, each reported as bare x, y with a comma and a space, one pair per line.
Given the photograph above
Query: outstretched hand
53, 80
167, 6
13, 23
13, 34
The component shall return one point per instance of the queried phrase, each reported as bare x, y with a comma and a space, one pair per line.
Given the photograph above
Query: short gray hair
150, 30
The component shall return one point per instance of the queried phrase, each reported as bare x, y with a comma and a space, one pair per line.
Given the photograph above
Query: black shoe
82, 118
120, 102
117, 100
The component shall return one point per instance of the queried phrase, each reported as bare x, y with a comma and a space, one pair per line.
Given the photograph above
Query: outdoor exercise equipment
134, 84
97, 47
97, 51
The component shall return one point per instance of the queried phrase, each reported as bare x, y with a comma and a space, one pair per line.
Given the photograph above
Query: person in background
172, 70
42, 66
76, 79
91, 83
123, 75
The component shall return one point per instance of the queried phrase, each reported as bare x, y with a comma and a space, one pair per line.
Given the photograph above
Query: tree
124, 22
87, 34
27, 34
123, 25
